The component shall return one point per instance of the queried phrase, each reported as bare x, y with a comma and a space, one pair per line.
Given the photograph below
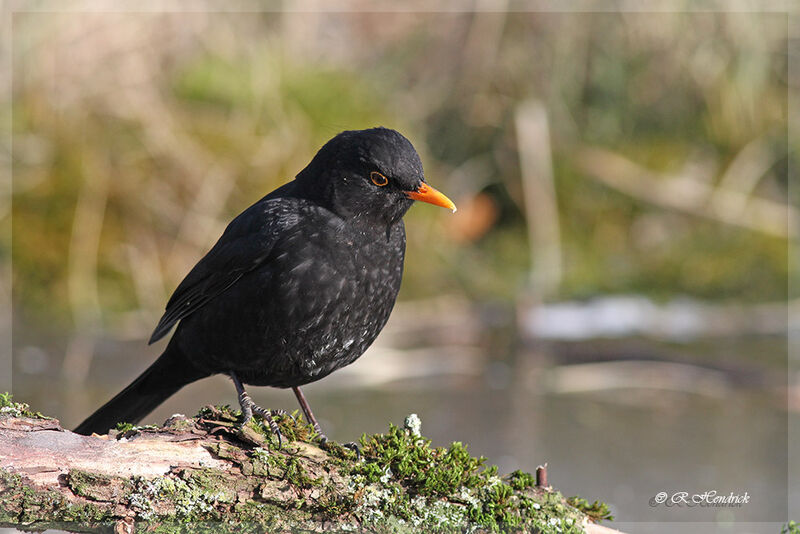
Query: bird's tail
169, 373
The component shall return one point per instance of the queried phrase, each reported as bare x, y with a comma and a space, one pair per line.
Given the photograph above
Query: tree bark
207, 471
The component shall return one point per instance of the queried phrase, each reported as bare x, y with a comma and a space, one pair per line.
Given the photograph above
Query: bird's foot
333, 446
250, 408
283, 413
353, 446
321, 437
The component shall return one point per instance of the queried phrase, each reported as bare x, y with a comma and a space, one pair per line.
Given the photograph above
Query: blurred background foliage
138, 136
610, 296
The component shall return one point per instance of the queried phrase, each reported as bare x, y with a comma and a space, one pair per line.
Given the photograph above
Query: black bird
299, 284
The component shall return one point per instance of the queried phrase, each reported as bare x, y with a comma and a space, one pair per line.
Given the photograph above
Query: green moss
86, 513
214, 484
269, 464
292, 428
267, 514
210, 494
21, 504
17, 409
414, 463
186, 500
127, 430
403, 481
338, 455
180, 423
208, 527
597, 511
520, 480
296, 475
219, 413
335, 504
96, 486
400, 483
122, 428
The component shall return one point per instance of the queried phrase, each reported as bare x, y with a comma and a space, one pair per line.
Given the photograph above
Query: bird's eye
378, 179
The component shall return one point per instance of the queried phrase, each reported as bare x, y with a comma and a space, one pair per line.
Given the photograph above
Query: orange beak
428, 194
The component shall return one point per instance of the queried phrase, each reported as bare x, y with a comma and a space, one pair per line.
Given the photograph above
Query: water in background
616, 420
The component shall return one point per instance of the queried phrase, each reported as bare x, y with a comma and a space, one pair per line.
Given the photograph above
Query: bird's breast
316, 304
335, 294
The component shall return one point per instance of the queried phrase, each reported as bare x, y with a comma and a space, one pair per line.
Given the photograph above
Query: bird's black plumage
298, 285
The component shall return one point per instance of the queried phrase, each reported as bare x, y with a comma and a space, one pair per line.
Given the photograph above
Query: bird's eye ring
378, 179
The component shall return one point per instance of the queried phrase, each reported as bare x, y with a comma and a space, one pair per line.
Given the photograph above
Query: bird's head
374, 174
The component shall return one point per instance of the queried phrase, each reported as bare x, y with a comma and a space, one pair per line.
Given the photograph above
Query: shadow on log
205, 472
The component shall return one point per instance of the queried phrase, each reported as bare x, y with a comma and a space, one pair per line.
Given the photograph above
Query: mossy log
205, 472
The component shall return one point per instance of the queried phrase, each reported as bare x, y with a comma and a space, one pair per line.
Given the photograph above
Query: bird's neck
309, 187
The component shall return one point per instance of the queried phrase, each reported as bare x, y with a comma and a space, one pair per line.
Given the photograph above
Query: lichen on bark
207, 472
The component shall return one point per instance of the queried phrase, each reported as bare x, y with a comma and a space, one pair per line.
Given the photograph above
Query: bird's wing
246, 243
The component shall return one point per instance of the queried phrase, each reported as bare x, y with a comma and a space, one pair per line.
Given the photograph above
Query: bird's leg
313, 420
249, 408
309, 414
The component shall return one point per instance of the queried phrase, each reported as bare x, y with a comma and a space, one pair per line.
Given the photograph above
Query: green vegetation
425, 470
9, 408
597, 510
520, 480
125, 427
400, 479
23, 504
403, 480
160, 166
399, 482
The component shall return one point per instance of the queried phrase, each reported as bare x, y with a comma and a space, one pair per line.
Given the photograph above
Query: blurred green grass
209, 127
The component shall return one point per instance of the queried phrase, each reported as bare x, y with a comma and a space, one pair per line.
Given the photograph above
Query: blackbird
297, 286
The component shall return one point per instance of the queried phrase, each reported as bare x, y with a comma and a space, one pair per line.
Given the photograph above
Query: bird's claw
266, 415
323, 439
353, 446
284, 413
250, 408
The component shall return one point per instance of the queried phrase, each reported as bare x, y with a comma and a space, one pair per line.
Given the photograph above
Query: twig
533, 140
688, 194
